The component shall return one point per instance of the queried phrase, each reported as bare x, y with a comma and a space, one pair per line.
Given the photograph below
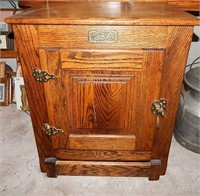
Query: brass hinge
42, 76
158, 108
50, 130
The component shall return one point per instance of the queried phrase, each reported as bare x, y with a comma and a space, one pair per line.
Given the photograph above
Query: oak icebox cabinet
103, 81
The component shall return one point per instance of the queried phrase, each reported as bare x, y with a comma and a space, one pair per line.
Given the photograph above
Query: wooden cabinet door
102, 99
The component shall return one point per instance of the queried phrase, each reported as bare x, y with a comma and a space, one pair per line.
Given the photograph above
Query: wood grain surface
113, 13
179, 39
189, 5
102, 142
27, 44
103, 155
155, 169
130, 37
101, 60
79, 168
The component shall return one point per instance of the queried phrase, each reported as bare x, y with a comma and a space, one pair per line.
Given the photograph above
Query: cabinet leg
51, 162
164, 167
155, 169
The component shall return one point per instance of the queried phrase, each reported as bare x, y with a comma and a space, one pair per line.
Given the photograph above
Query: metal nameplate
96, 36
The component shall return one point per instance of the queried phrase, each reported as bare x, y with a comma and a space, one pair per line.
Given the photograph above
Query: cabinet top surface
104, 13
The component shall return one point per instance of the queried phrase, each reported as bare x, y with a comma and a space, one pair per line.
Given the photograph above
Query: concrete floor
20, 174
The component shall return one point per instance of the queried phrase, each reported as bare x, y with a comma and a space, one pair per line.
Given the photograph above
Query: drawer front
102, 37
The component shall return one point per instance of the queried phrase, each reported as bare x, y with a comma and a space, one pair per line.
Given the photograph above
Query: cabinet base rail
149, 169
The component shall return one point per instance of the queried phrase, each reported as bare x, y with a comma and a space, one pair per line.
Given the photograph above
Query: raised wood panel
74, 37
102, 102
101, 60
102, 142
103, 155
87, 168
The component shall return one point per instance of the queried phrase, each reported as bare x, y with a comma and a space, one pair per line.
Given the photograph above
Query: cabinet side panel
179, 39
27, 44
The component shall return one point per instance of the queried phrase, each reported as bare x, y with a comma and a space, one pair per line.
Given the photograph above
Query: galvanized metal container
187, 127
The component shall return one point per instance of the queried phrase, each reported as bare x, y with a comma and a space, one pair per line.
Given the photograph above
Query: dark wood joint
52, 171
155, 169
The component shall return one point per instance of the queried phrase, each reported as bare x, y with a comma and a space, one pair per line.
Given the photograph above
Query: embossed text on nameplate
96, 36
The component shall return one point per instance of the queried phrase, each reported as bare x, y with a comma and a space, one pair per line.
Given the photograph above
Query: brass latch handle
157, 122
42, 76
158, 108
50, 130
